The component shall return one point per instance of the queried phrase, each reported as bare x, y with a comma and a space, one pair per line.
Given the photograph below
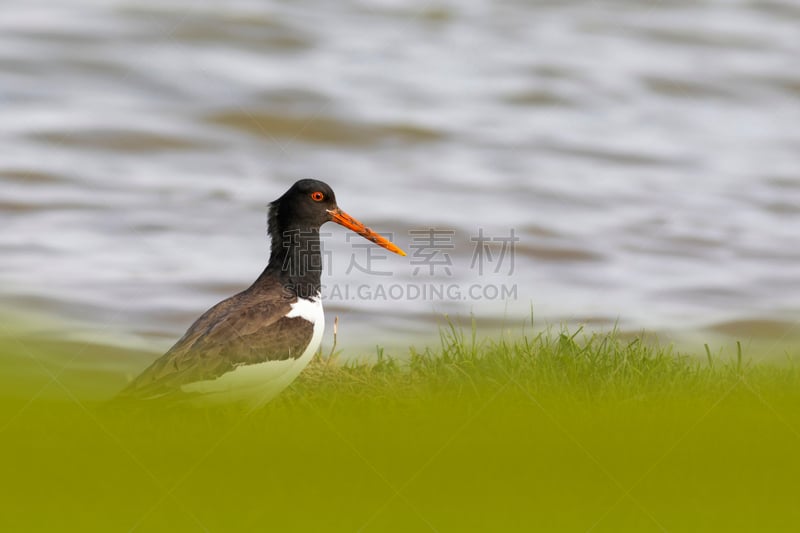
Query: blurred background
646, 155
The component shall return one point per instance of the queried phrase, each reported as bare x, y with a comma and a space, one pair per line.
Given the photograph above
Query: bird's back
240, 345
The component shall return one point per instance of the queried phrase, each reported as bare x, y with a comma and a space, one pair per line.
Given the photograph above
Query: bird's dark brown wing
248, 328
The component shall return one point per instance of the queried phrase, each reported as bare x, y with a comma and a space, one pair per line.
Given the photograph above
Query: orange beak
340, 217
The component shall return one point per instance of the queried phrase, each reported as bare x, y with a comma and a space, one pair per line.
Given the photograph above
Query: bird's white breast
311, 310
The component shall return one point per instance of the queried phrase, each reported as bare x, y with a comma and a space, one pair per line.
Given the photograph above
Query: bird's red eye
317, 196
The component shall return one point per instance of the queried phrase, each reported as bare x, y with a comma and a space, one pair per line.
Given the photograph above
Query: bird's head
310, 203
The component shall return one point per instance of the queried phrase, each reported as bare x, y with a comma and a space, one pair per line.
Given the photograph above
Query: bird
250, 346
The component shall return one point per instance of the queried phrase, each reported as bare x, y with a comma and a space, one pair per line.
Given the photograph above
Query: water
646, 155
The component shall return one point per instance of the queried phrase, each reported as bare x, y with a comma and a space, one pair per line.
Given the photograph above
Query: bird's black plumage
252, 327
248, 328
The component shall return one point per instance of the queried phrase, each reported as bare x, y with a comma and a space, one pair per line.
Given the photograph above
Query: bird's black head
294, 221
305, 206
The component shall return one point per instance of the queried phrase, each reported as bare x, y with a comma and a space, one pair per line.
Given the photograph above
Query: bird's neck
295, 260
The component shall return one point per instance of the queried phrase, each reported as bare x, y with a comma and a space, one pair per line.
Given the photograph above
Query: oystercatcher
250, 346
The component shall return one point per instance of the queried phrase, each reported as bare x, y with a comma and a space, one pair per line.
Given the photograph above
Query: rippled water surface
646, 155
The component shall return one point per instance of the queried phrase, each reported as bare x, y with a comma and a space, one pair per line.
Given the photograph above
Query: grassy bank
553, 432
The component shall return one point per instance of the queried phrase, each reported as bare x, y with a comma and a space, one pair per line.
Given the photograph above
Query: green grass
551, 432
